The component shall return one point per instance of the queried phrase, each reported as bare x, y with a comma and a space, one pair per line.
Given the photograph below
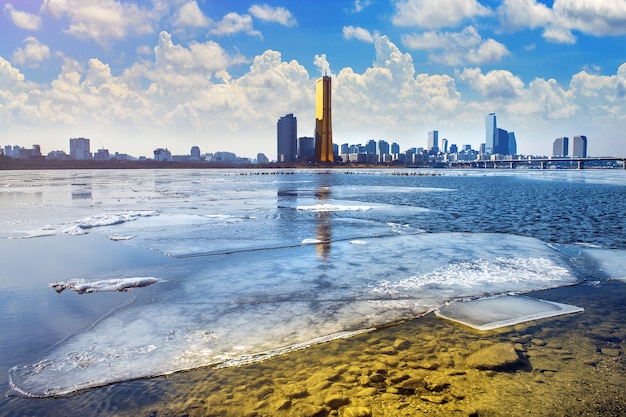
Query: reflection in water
323, 227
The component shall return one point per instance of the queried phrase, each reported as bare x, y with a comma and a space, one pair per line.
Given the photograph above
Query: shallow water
253, 264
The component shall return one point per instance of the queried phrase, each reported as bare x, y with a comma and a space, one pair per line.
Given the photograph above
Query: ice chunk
109, 285
332, 207
107, 219
502, 311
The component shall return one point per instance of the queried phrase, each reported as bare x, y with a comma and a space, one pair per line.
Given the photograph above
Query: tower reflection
323, 228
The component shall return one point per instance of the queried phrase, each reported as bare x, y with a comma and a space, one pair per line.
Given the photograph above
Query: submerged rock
495, 357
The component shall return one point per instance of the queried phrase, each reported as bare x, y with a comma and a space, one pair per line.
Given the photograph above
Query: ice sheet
612, 262
232, 308
502, 311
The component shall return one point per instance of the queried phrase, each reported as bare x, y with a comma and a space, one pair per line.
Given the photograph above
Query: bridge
539, 163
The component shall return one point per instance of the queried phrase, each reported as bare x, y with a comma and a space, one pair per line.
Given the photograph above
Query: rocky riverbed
572, 365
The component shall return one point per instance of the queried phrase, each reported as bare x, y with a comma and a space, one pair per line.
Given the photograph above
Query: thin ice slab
502, 311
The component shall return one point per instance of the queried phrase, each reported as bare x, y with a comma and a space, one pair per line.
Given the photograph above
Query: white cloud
32, 54
521, 14
22, 19
364, 35
457, 48
496, 84
361, 4
273, 14
185, 96
592, 17
430, 14
101, 20
322, 64
190, 15
234, 23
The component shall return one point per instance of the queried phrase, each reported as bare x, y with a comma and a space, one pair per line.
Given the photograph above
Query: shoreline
568, 365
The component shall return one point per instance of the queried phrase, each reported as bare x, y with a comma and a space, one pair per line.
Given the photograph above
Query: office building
560, 146
512, 144
306, 148
579, 147
324, 150
79, 149
433, 142
490, 133
287, 135
498, 141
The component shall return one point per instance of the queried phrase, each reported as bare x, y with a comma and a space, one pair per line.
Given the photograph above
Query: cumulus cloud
185, 91
22, 19
322, 64
190, 15
273, 14
436, 14
234, 23
33, 53
354, 32
457, 48
101, 20
596, 18
495, 84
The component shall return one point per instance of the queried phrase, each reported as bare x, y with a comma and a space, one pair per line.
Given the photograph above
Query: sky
137, 75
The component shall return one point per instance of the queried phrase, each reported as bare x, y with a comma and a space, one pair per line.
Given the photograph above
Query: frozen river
159, 271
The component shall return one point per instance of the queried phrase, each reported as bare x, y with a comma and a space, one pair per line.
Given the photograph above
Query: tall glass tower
491, 132
323, 122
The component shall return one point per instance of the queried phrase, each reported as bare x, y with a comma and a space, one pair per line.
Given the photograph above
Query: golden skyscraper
323, 122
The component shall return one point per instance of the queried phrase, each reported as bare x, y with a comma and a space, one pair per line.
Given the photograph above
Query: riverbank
571, 365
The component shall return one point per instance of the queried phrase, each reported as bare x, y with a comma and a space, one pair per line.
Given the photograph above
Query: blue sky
136, 75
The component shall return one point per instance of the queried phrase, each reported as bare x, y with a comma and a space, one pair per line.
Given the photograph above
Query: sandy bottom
570, 365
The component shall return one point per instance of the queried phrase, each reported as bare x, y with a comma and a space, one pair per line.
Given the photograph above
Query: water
250, 264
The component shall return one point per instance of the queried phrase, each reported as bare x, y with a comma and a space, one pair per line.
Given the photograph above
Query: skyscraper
323, 121
433, 142
559, 147
512, 144
490, 133
579, 147
287, 137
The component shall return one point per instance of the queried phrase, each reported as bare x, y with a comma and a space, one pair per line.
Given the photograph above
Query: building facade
560, 146
287, 138
579, 147
306, 148
323, 121
80, 149
433, 142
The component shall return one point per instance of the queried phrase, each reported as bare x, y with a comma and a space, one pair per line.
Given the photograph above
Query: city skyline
135, 75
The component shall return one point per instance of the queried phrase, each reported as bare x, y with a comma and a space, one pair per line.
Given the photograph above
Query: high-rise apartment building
560, 146
579, 147
323, 121
287, 137
79, 149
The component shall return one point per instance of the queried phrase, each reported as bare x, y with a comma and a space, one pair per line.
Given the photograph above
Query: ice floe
502, 311
107, 285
